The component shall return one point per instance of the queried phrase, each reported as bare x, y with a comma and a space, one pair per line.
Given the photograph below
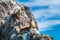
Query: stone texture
17, 20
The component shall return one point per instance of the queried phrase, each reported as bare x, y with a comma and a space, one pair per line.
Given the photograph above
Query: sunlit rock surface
16, 20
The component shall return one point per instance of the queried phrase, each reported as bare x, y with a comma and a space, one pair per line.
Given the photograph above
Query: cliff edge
16, 20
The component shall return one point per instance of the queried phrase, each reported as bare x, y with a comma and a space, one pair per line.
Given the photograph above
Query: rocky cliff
16, 20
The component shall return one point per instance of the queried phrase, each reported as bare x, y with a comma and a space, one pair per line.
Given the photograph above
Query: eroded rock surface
16, 20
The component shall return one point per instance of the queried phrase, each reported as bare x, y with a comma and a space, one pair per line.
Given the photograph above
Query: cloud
40, 2
42, 13
51, 11
35, 3
47, 18
46, 12
47, 25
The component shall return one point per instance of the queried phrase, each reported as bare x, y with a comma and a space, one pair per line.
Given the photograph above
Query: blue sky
47, 15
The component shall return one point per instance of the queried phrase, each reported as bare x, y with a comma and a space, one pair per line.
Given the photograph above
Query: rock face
41, 37
17, 20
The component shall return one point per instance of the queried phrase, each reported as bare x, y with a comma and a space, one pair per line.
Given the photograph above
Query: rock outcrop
17, 20
42, 37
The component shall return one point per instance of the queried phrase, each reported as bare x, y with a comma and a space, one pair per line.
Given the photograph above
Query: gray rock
16, 20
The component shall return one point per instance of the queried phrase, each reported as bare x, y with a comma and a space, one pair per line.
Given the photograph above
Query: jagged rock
42, 37
17, 20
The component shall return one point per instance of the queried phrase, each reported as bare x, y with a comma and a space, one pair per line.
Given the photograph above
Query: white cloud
56, 1
38, 13
42, 2
46, 13
36, 3
54, 9
44, 25
47, 25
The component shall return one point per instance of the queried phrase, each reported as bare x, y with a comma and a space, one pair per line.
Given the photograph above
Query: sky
47, 15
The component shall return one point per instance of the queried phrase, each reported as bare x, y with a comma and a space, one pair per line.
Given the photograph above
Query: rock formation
16, 20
